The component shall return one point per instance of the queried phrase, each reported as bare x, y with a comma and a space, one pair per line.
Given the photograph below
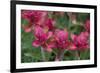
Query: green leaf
70, 55
77, 28
82, 17
62, 22
85, 54
24, 22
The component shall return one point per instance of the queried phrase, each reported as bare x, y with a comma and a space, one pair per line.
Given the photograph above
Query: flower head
34, 18
61, 38
42, 38
80, 41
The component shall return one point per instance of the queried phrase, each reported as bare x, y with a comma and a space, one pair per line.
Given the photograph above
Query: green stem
77, 55
43, 54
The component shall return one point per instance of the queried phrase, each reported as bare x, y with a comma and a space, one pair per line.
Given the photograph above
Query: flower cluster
49, 37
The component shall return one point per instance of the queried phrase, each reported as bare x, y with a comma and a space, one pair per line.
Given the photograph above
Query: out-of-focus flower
87, 25
27, 14
80, 41
33, 18
40, 17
